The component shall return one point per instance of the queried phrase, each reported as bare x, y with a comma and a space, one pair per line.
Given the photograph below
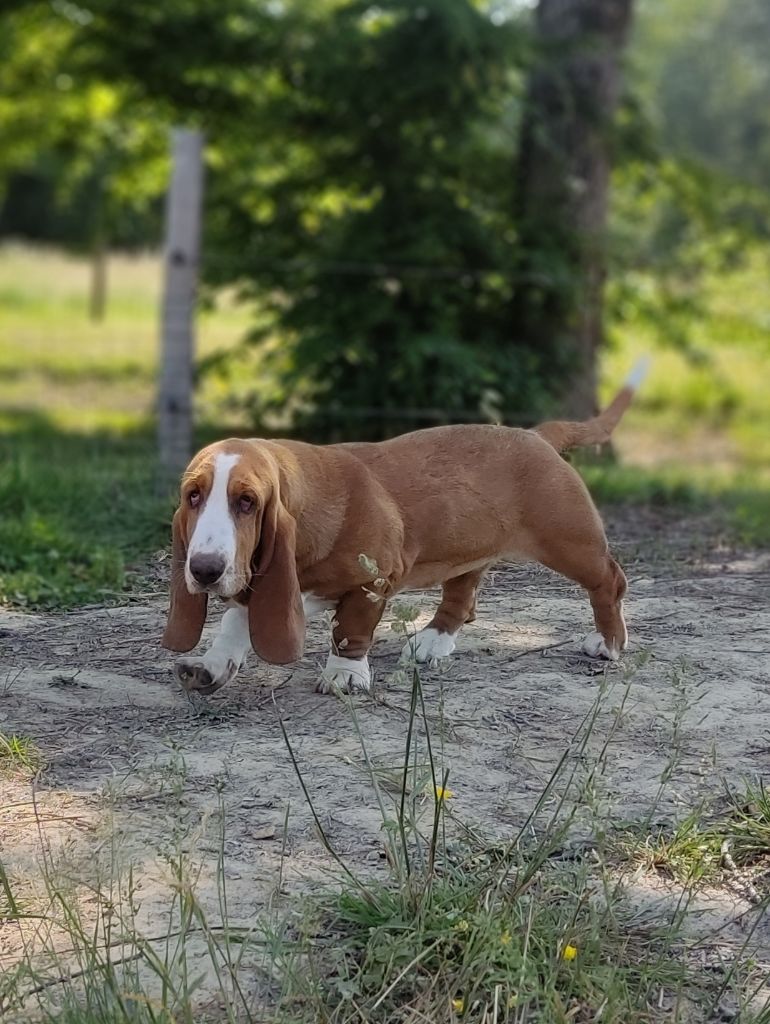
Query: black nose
206, 569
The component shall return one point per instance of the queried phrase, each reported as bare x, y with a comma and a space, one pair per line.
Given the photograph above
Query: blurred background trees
416, 212
411, 196
81, 163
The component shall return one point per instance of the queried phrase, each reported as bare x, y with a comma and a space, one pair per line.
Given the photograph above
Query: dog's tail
563, 434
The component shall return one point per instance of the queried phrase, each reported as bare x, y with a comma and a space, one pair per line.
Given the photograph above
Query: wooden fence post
181, 260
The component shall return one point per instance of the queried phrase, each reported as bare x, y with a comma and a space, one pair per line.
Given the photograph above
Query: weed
705, 846
19, 753
92, 963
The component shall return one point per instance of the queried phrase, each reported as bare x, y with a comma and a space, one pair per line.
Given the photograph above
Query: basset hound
282, 529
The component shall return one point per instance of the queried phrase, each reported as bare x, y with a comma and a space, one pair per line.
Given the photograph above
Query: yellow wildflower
505, 939
569, 952
462, 926
458, 1005
443, 794
512, 1001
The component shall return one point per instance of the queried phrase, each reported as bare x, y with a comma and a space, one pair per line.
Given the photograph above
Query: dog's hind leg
597, 572
458, 606
611, 636
569, 538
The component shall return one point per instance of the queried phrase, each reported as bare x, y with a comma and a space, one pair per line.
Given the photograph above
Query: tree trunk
563, 179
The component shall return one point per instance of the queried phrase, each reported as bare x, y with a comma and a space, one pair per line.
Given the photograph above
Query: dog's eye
194, 498
245, 504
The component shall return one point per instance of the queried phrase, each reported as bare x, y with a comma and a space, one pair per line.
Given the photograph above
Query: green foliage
702, 846
361, 168
361, 186
361, 189
674, 226
702, 69
82, 159
380, 226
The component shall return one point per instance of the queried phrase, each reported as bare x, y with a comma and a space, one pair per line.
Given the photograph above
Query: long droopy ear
187, 612
276, 615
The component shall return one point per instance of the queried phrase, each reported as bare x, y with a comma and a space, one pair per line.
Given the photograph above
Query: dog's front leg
222, 660
355, 620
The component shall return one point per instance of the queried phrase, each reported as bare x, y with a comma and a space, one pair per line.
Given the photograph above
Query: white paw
345, 675
428, 645
205, 674
595, 647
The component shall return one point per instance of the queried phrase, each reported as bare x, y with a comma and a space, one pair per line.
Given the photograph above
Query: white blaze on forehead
214, 533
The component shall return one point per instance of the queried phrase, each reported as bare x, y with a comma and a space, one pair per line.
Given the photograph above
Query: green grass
75, 512
478, 950
18, 754
90, 376
737, 502
705, 846
697, 436
79, 502
698, 433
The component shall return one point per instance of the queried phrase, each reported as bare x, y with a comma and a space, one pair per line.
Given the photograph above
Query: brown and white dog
278, 528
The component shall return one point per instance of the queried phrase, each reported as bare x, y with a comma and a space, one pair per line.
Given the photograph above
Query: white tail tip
636, 377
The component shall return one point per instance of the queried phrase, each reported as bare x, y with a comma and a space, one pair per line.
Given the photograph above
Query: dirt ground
135, 765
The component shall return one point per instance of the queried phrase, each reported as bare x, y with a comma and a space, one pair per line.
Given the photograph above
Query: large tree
359, 186
562, 189
377, 227
358, 190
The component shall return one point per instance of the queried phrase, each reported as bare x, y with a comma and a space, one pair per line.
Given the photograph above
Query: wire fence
108, 346
59, 365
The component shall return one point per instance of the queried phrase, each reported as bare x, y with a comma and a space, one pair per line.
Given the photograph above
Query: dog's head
233, 537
